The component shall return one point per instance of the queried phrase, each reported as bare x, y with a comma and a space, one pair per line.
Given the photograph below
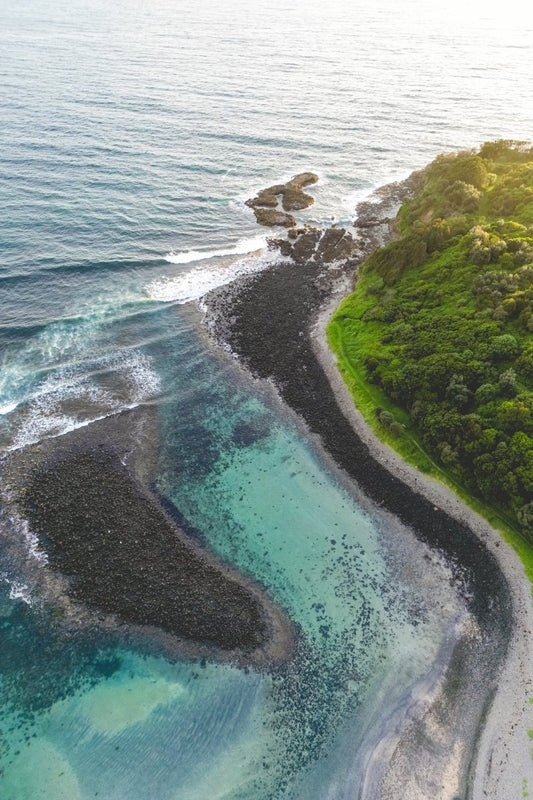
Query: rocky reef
271, 217
293, 198
327, 246
303, 242
116, 555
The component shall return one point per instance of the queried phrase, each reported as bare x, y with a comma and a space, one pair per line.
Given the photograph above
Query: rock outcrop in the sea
293, 198
304, 242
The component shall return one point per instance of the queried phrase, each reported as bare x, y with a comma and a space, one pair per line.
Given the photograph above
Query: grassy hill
436, 342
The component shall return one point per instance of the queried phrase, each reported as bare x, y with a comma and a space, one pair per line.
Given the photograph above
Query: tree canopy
441, 320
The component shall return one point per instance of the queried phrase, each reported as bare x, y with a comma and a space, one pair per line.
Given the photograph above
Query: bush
463, 197
503, 347
391, 261
507, 383
524, 516
485, 393
386, 419
396, 428
470, 170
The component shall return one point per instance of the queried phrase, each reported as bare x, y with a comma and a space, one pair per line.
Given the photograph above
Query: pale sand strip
504, 765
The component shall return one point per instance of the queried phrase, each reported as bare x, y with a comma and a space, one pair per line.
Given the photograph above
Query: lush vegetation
436, 342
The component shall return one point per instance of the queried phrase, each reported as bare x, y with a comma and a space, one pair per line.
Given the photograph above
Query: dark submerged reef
119, 554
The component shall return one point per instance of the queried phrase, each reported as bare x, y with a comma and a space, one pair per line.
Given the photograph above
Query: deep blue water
131, 135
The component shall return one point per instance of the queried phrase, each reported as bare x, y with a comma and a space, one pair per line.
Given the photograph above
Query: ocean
132, 134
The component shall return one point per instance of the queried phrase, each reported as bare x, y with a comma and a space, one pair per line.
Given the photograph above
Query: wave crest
242, 247
196, 283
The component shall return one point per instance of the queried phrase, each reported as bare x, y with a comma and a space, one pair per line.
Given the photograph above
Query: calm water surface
131, 135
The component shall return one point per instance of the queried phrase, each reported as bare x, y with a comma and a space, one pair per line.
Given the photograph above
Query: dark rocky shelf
118, 553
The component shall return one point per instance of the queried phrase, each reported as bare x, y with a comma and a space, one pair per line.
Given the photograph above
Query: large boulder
303, 179
271, 217
266, 197
295, 200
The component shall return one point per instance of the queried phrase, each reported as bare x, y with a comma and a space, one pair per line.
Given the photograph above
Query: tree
503, 347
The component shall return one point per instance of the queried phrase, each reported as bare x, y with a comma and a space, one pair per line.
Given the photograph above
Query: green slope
436, 342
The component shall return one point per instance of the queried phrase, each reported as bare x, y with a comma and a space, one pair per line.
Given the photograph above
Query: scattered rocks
325, 247
303, 242
293, 233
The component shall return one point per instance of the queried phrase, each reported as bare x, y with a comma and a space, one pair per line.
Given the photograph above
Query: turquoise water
131, 135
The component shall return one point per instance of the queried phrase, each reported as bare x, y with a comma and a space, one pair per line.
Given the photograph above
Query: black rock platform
122, 555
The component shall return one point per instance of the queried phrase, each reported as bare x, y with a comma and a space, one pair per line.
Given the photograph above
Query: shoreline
503, 745
269, 323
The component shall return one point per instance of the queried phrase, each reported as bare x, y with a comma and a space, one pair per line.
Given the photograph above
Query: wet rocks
292, 199
325, 247
296, 200
271, 217
303, 242
303, 179
266, 198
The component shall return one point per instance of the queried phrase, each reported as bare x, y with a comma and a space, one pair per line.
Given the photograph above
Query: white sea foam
143, 380
242, 247
62, 425
7, 408
368, 195
350, 201
195, 283
18, 590
48, 410
32, 542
